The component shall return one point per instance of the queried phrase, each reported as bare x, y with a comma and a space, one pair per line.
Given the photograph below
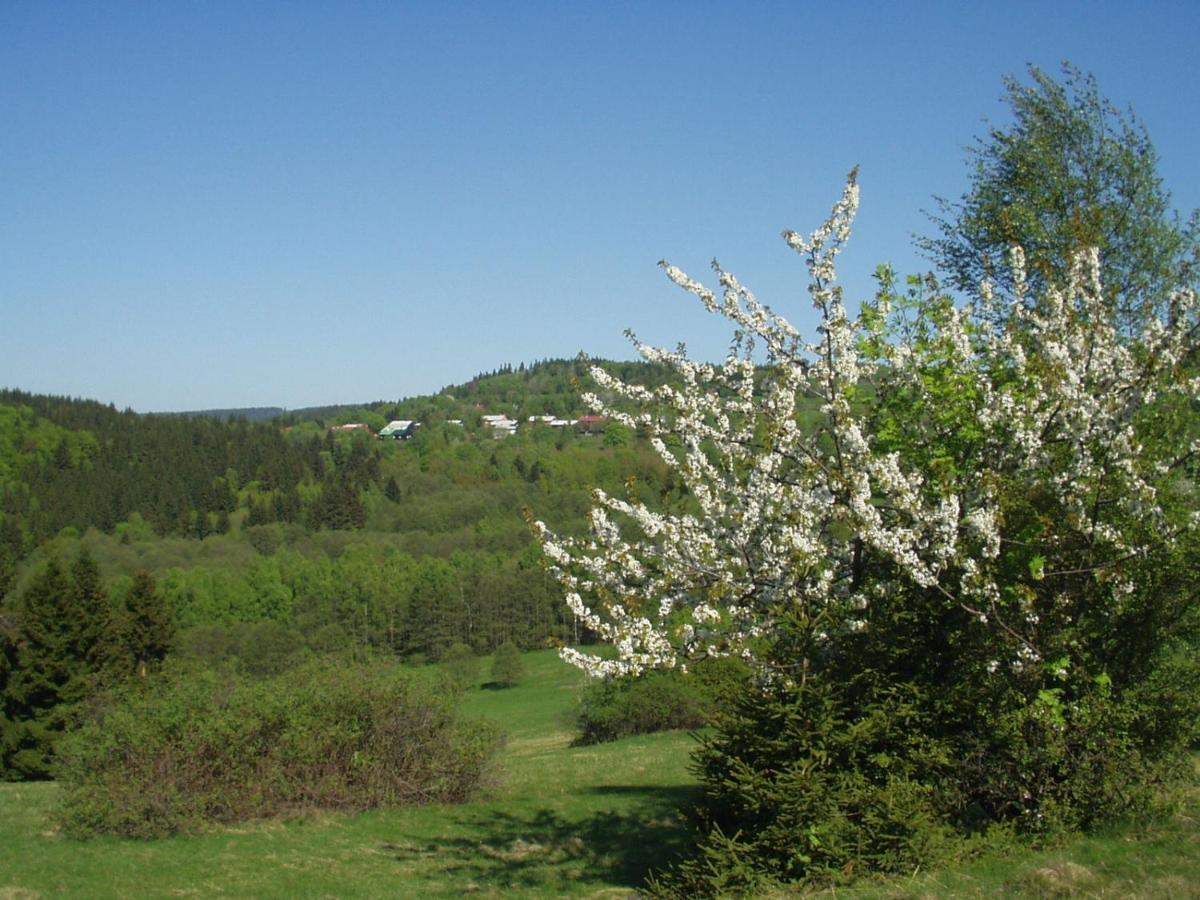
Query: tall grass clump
197, 747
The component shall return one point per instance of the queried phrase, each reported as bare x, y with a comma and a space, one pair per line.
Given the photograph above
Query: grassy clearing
561, 821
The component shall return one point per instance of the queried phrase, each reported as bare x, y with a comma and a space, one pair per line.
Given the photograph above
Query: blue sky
253, 204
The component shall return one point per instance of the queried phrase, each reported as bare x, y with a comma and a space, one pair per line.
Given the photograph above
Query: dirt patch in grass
1063, 879
522, 850
549, 743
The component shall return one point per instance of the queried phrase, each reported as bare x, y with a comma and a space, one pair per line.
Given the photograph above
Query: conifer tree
88, 607
138, 633
150, 624
392, 490
46, 671
9, 729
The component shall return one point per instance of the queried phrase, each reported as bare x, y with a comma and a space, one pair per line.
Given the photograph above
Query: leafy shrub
721, 680
507, 667
654, 701
460, 667
194, 748
659, 700
208, 645
331, 638
268, 648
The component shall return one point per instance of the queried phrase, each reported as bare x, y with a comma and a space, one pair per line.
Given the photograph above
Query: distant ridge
544, 386
250, 414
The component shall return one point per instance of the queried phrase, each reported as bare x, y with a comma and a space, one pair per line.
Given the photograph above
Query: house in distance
399, 430
501, 425
591, 424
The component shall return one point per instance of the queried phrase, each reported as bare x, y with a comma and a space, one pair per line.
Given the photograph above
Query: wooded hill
127, 537
232, 517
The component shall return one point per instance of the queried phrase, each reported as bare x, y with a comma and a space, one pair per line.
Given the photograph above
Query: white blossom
785, 511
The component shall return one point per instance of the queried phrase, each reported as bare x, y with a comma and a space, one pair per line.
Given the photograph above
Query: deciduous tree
507, 667
1070, 172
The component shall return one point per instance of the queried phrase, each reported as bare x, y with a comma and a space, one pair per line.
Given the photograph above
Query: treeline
68, 466
71, 464
548, 387
76, 463
80, 464
373, 595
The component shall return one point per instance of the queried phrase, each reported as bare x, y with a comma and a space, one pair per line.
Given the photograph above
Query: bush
654, 701
660, 700
460, 667
195, 748
507, 667
854, 770
268, 648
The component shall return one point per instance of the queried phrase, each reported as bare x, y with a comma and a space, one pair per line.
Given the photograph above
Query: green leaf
1037, 568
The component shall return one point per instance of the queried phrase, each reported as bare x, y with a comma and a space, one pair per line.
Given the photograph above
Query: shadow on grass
547, 848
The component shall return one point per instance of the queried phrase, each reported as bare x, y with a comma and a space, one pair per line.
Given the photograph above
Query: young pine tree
49, 673
139, 635
88, 607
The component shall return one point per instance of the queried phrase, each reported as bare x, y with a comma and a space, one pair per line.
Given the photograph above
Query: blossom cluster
893, 438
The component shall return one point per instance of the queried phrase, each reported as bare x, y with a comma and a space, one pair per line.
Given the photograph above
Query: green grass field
560, 821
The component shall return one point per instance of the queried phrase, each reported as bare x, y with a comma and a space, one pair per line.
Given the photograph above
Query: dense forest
126, 536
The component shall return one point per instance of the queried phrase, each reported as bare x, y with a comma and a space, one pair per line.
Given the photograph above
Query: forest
259, 543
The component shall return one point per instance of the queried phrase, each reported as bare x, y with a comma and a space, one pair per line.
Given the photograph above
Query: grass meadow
560, 821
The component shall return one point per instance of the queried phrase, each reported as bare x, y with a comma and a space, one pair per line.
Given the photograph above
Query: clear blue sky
230, 204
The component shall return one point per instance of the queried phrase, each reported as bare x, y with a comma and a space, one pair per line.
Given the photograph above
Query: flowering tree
1015, 461
956, 543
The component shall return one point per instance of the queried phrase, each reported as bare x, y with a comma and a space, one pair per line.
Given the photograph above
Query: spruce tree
391, 490
150, 624
88, 607
9, 729
46, 673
